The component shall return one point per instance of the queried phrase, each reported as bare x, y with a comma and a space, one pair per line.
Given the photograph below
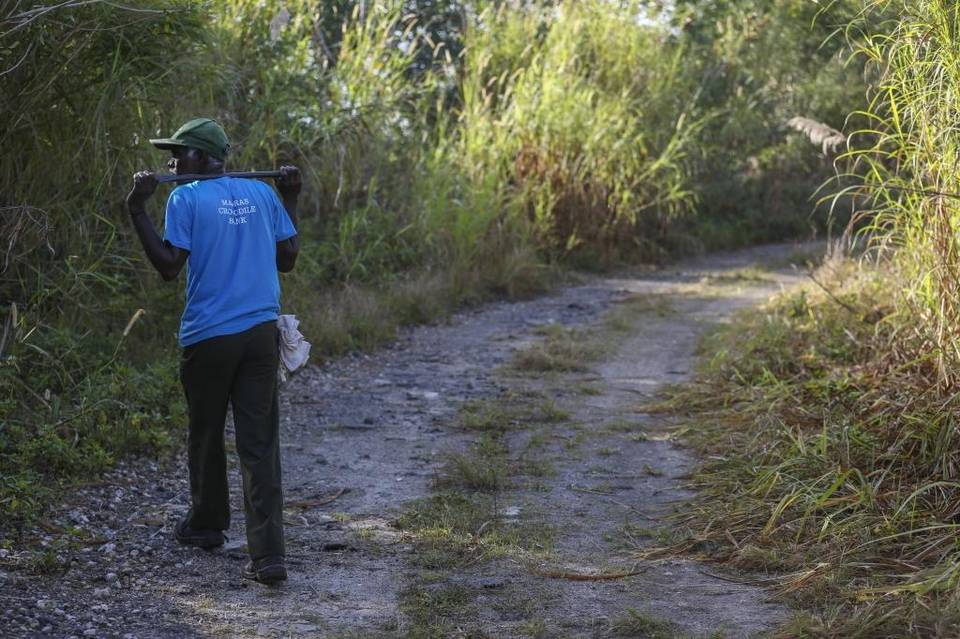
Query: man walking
235, 235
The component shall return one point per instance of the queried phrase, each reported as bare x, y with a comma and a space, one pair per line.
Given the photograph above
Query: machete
190, 177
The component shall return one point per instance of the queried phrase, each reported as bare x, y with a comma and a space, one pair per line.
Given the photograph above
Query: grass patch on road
509, 411
573, 349
432, 611
464, 523
454, 529
643, 626
563, 350
831, 457
483, 468
745, 275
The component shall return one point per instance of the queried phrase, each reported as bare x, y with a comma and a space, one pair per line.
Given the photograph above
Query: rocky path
491, 477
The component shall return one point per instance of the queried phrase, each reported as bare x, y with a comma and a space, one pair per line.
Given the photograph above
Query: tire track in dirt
365, 438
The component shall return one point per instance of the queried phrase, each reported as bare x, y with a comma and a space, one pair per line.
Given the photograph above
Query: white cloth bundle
294, 349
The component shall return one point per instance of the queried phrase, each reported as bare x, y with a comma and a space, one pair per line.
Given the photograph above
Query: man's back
231, 227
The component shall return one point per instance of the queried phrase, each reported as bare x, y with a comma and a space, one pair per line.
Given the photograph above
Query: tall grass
908, 158
831, 461
585, 118
829, 420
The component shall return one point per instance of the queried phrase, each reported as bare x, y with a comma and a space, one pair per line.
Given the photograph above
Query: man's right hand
144, 184
289, 182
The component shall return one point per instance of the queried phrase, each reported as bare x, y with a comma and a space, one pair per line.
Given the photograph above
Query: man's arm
289, 185
165, 257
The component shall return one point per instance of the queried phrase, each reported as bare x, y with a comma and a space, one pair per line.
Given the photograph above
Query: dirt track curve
384, 474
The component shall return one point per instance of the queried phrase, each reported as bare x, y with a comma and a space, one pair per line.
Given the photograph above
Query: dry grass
832, 459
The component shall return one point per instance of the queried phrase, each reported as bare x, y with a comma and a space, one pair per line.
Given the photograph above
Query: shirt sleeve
283, 228
178, 223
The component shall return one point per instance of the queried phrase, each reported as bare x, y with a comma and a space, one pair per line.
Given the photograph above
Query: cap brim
167, 143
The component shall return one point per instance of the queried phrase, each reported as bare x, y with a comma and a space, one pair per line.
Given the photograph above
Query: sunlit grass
829, 461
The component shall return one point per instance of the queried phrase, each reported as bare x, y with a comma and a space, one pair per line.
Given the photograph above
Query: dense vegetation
452, 151
456, 151
831, 419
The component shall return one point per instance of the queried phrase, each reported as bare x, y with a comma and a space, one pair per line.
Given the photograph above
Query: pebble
111, 577
101, 592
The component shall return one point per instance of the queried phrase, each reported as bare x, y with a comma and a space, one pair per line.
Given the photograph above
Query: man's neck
212, 168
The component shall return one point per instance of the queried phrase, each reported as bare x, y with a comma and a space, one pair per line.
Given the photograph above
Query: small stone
491, 583
90, 632
101, 592
111, 577
47, 629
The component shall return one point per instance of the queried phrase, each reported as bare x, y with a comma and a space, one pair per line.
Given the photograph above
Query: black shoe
268, 570
203, 538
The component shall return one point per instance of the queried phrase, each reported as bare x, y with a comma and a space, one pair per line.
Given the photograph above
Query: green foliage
763, 62
74, 416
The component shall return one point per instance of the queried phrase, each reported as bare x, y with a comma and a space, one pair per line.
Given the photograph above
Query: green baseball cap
200, 133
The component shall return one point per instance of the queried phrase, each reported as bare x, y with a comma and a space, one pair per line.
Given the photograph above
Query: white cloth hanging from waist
294, 349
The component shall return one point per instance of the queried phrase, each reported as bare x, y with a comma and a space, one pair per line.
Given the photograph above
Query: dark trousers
240, 369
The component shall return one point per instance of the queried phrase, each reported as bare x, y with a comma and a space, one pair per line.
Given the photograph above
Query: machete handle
191, 177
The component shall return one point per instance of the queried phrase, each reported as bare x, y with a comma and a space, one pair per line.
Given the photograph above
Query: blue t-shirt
231, 227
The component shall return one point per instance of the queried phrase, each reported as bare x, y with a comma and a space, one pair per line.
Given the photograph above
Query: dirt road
491, 477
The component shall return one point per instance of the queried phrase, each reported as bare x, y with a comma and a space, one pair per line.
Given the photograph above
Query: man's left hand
289, 182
